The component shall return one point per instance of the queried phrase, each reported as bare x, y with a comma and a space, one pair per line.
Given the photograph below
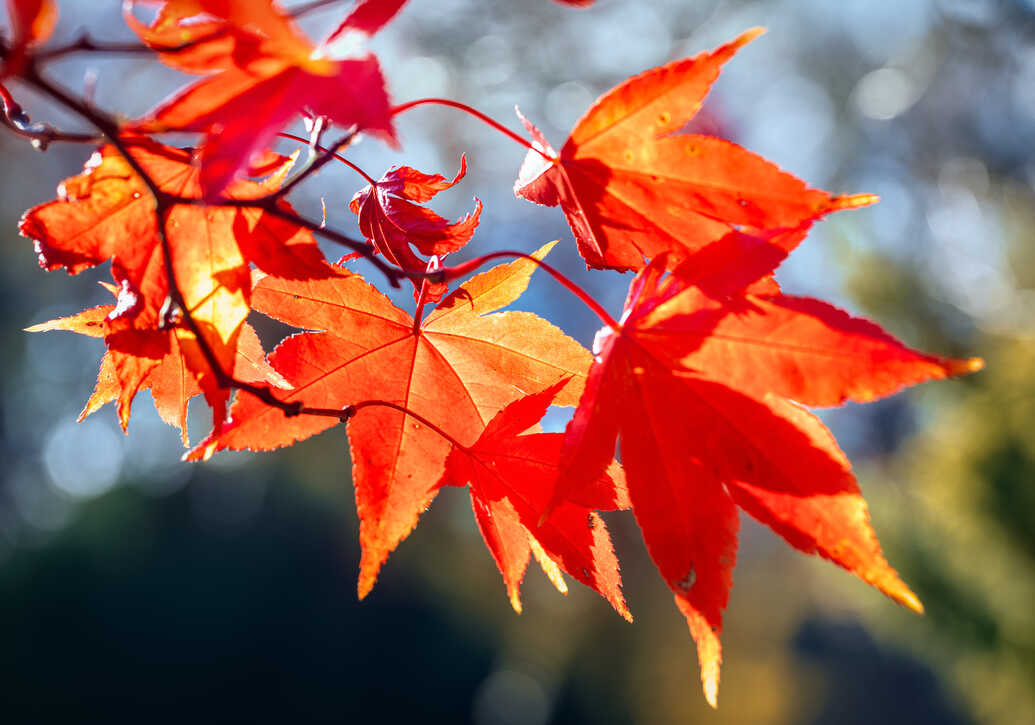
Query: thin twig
271, 204
350, 411
339, 157
465, 268
488, 120
315, 164
86, 44
42, 135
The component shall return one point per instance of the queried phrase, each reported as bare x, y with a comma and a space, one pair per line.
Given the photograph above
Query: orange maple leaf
107, 212
632, 187
162, 361
457, 368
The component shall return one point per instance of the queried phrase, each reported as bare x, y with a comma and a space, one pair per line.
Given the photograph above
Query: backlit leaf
511, 477
391, 221
456, 369
693, 385
633, 187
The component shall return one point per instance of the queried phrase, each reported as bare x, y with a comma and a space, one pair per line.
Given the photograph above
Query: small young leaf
391, 221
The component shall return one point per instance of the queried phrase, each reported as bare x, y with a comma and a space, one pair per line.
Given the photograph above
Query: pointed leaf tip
711, 692
636, 130
748, 35
623, 611
853, 201
897, 590
910, 600
366, 582
969, 365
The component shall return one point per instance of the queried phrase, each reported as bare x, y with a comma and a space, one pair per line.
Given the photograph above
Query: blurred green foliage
963, 533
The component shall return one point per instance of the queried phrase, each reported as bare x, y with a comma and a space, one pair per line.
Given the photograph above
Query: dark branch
86, 44
164, 203
42, 135
272, 204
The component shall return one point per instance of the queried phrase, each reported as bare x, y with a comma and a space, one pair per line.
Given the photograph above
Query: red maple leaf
392, 222
107, 213
632, 187
511, 477
456, 369
697, 381
705, 381
268, 74
158, 360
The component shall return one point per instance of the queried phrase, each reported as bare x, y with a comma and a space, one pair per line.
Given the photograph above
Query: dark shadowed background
135, 588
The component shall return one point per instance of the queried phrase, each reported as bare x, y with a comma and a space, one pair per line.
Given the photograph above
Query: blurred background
133, 586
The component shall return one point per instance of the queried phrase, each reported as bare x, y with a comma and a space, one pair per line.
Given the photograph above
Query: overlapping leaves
108, 212
267, 73
456, 369
511, 477
166, 362
704, 383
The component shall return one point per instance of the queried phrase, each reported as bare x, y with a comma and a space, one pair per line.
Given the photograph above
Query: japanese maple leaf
511, 477
702, 382
32, 22
107, 213
457, 368
269, 73
631, 187
391, 221
157, 360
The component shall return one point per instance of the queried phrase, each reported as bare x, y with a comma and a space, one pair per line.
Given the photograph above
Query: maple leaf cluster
702, 384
